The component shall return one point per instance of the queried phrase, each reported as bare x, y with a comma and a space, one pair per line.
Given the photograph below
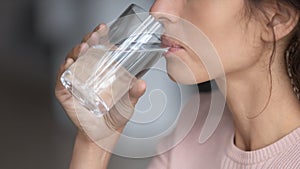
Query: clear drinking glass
102, 75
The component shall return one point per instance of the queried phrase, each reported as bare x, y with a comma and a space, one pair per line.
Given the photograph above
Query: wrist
84, 140
87, 154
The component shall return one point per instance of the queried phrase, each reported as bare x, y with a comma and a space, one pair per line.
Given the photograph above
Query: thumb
137, 90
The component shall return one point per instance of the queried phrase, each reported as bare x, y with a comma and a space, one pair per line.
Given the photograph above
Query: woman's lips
171, 44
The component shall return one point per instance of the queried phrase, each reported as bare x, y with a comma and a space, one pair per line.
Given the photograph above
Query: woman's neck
261, 116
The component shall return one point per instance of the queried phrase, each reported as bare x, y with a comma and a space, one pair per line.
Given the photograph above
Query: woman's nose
165, 10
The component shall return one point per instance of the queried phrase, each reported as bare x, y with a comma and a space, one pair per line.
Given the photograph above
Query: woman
258, 45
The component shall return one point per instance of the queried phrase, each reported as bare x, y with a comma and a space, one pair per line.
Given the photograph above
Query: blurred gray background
36, 35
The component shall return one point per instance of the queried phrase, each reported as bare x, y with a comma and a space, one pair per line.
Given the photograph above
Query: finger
99, 27
77, 50
103, 32
86, 37
94, 37
73, 53
99, 37
137, 90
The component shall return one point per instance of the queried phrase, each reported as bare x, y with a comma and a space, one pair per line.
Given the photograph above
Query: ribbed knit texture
285, 153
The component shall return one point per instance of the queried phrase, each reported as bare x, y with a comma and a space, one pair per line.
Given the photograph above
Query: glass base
85, 96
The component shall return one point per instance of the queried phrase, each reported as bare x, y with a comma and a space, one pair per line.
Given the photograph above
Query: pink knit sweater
220, 152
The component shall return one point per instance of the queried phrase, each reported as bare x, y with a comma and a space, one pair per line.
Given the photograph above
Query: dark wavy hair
295, 61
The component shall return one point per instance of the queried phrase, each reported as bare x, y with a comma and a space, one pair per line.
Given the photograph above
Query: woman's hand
96, 137
102, 131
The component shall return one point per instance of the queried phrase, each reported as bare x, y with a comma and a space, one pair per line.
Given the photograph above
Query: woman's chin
182, 79
186, 77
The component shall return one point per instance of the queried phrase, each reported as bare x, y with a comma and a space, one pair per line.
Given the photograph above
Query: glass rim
136, 9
